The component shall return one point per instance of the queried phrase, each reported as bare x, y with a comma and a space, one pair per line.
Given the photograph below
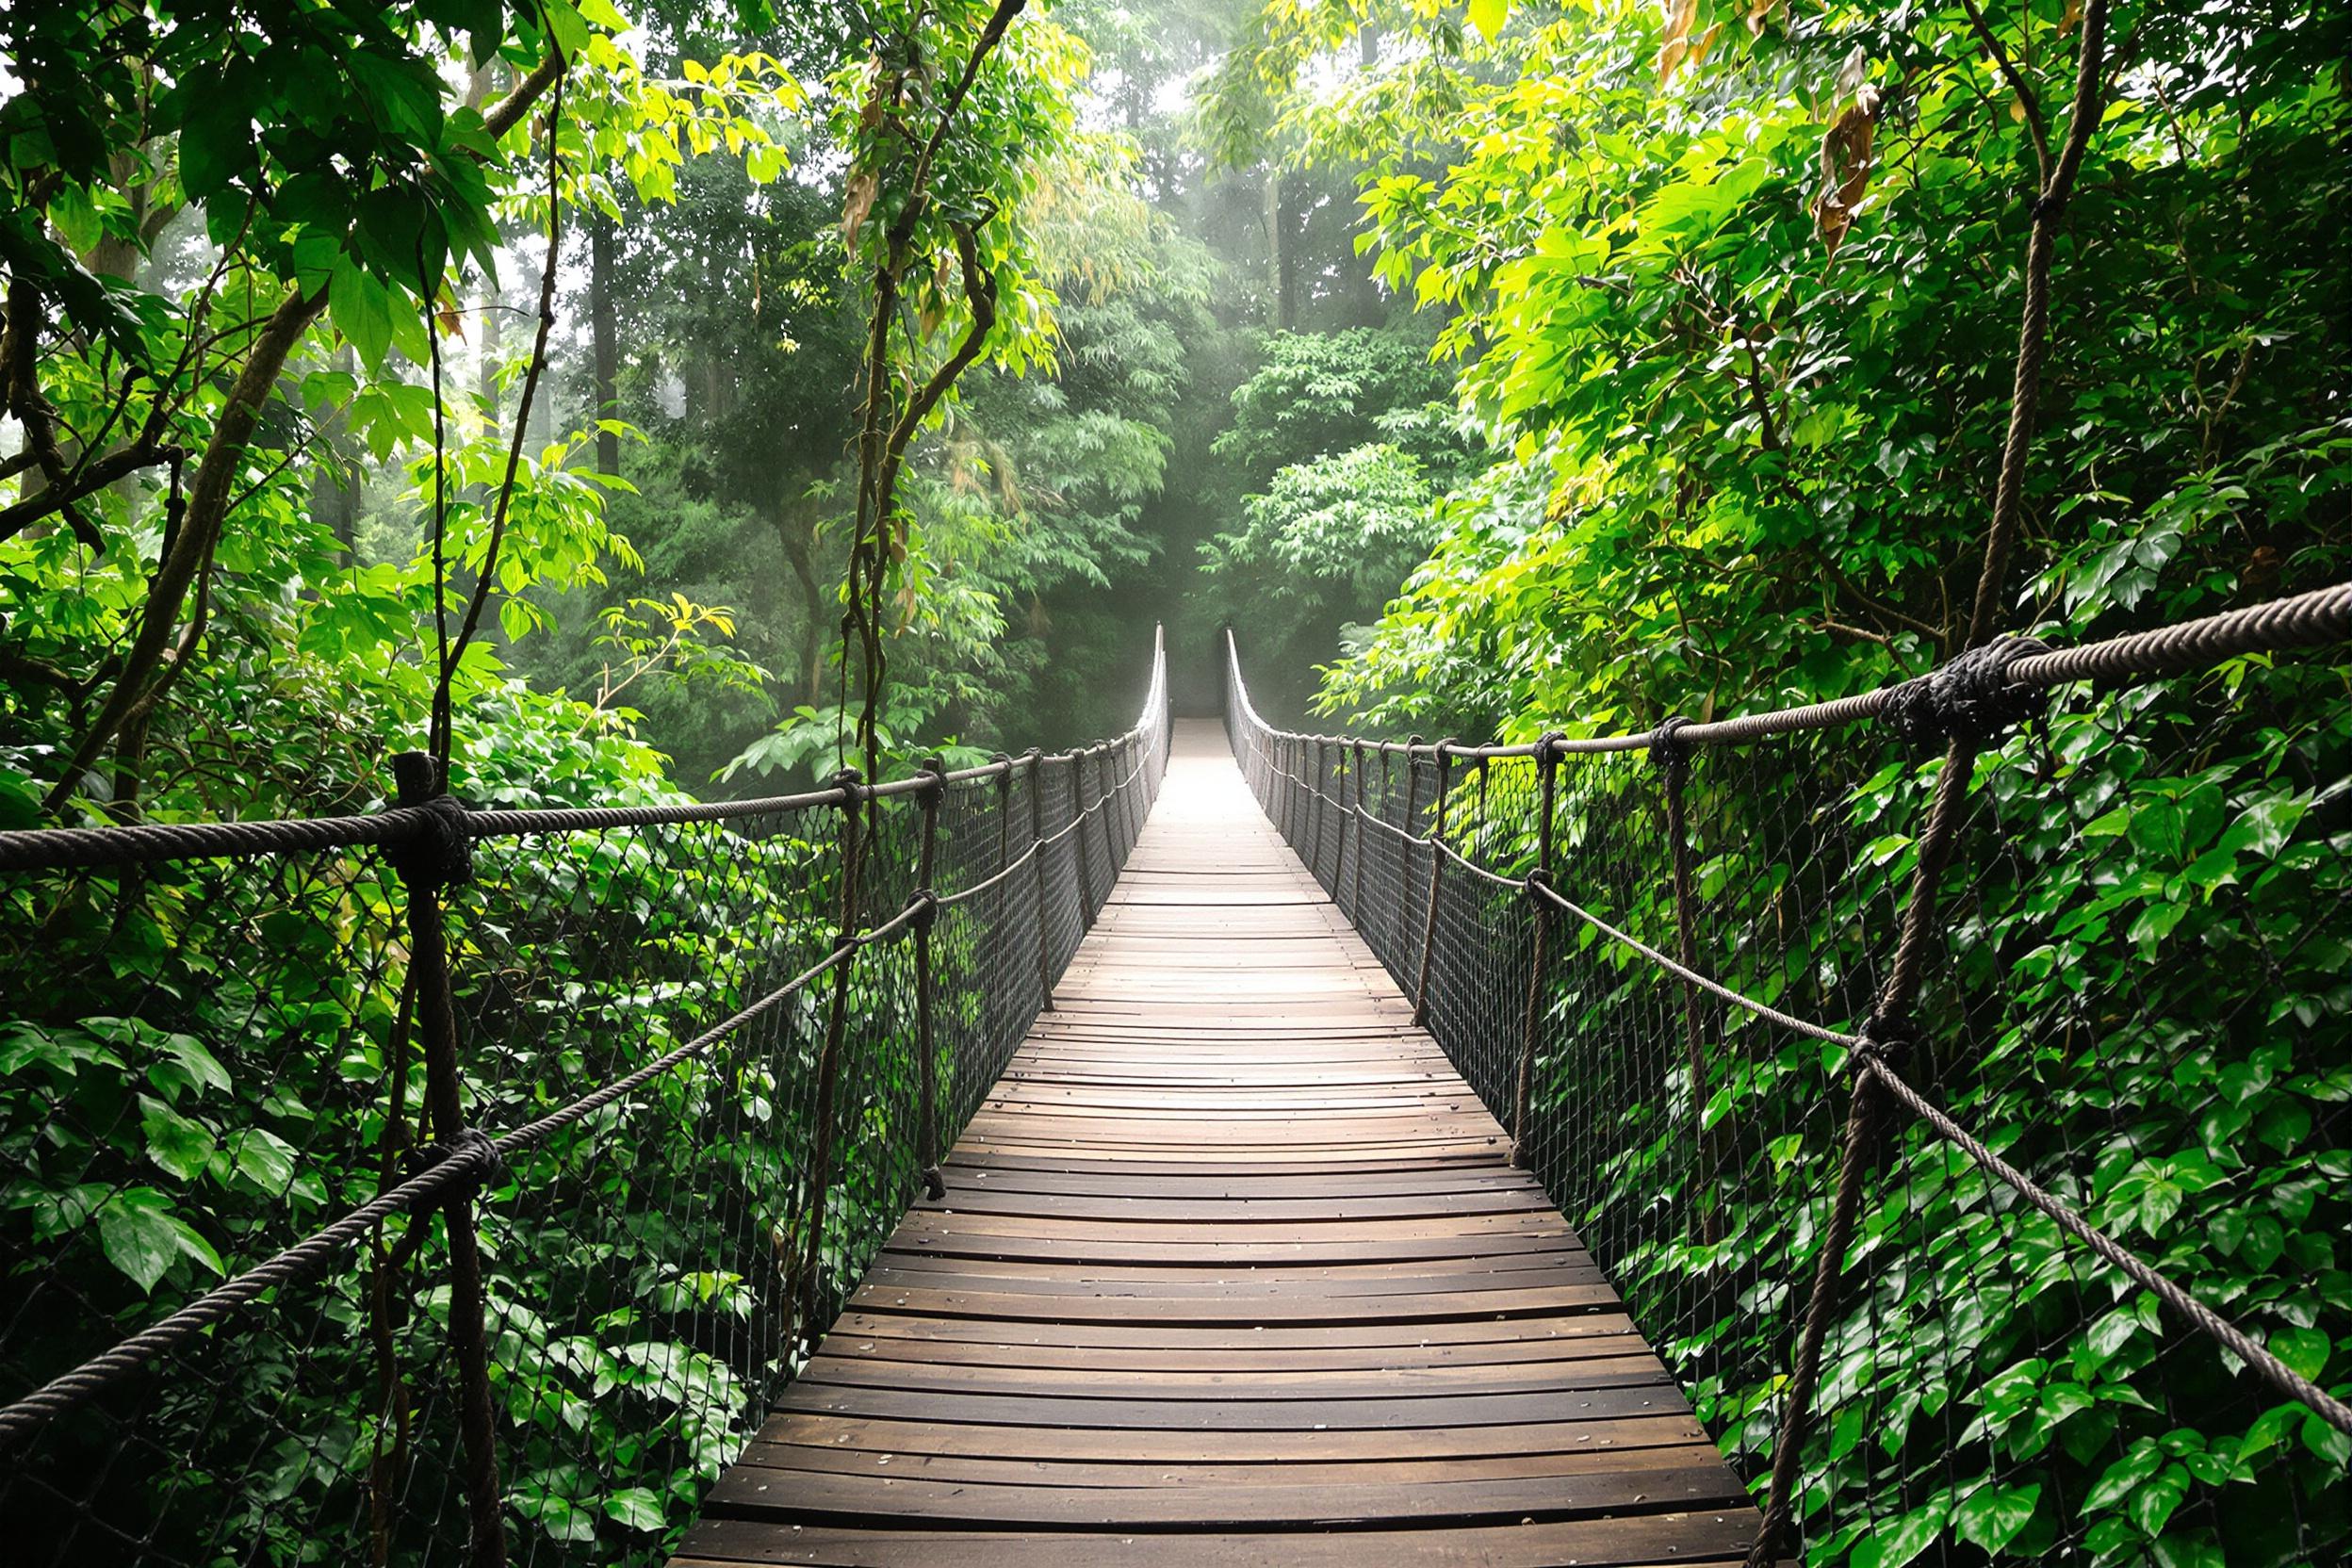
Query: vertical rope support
1117, 769
424, 871
1037, 877
1313, 772
1437, 867
1355, 895
1130, 797
1806, 1375
1404, 845
926, 985
1078, 831
1547, 787
1888, 1020
1134, 792
1294, 754
1302, 803
829, 1057
1673, 764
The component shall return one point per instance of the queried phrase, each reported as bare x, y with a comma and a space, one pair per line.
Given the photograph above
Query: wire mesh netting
2137, 995
208, 1060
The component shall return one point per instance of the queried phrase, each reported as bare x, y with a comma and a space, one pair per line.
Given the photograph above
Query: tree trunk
490, 344
797, 534
1277, 253
334, 475
603, 330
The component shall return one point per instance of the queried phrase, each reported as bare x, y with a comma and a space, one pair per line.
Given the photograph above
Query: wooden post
425, 868
1547, 777
1036, 878
927, 1079
1443, 757
1078, 831
1356, 820
829, 1057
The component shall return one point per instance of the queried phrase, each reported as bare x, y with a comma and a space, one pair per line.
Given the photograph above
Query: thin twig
488, 577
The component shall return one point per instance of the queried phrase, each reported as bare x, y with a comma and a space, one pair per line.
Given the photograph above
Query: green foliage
1733, 294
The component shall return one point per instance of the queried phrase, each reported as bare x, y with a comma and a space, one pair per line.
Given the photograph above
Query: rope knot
473, 1145
1543, 743
1538, 878
1669, 751
1971, 699
925, 903
1888, 1039
489, 1163
439, 852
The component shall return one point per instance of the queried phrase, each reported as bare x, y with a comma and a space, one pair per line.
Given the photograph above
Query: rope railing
1782, 1254
494, 1028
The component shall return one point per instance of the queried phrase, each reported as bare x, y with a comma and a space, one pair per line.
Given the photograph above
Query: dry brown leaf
2073, 18
864, 186
1846, 167
1675, 51
1762, 11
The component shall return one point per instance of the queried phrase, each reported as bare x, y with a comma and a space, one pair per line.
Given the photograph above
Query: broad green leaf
1991, 1517
142, 1236
636, 1507
177, 1145
362, 311
2304, 1350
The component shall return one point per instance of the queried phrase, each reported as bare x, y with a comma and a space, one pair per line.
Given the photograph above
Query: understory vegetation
500, 380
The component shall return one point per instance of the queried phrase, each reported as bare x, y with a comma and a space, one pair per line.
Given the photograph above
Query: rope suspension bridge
1263, 1147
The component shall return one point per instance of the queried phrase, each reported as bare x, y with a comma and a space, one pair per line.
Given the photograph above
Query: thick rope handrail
2314, 619
145, 844
148, 843
299, 1263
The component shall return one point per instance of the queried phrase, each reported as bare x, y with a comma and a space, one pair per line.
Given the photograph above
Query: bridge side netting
213, 1058
2135, 990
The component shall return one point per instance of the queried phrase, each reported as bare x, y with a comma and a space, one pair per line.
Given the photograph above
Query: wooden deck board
1230, 1270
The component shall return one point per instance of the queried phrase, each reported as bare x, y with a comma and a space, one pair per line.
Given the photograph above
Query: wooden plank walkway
1231, 1270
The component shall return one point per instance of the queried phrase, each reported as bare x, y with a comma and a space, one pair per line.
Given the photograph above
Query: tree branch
210, 496
92, 478
2027, 99
441, 733
506, 113
207, 510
